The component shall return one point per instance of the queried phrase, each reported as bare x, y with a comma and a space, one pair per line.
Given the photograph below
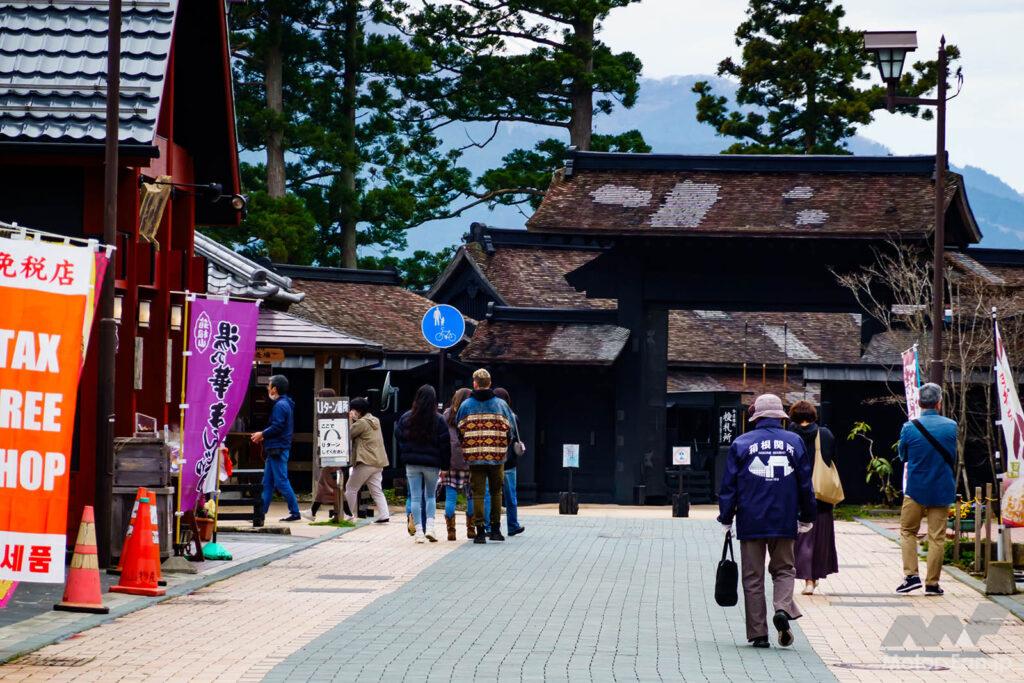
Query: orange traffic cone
82, 592
140, 573
131, 523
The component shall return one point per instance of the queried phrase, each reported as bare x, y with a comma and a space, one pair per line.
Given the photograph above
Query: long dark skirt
816, 555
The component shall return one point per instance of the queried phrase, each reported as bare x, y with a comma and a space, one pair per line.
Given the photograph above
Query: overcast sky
985, 124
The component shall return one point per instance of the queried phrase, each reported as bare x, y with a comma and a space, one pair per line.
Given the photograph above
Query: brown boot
410, 524
450, 521
470, 529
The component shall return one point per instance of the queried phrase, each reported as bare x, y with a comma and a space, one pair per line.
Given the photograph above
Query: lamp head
889, 50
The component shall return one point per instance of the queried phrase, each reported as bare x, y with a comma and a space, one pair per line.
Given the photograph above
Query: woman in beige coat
370, 459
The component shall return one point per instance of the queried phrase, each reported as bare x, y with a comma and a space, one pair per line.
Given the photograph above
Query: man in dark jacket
928, 445
277, 444
767, 488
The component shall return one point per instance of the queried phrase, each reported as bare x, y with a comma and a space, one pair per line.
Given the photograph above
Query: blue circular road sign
443, 326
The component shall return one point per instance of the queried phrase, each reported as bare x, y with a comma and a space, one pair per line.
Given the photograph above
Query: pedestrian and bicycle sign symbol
443, 326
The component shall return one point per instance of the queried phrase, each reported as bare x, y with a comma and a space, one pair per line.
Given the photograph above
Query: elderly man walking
767, 488
928, 445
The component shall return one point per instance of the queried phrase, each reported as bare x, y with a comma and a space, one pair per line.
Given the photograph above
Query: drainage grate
62, 662
895, 666
354, 577
332, 590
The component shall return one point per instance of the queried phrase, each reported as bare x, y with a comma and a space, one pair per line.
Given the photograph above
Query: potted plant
206, 519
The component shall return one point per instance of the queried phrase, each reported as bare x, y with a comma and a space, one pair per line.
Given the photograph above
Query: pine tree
527, 61
803, 81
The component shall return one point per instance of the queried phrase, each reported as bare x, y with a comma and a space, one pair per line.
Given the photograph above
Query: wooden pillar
640, 381
337, 364
318, 384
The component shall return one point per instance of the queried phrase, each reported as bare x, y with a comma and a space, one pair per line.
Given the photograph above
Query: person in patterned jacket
485, 425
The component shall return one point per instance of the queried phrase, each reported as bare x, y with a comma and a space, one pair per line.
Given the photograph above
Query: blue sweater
929, 477
767, 483
282, 423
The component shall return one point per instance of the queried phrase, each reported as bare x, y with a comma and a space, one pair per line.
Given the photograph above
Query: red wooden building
176, 120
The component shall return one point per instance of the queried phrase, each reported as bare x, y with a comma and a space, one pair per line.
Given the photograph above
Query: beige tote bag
828, 488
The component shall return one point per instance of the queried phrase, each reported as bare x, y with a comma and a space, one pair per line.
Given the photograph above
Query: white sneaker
308, 514
430, 531
420, 538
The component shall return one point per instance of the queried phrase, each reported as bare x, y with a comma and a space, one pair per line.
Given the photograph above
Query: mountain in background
666, 115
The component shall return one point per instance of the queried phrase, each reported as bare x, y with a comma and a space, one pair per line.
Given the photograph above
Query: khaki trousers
780, 566
910, 523
371, 476
480, 477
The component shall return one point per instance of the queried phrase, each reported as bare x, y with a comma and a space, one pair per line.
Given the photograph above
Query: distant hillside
665, 114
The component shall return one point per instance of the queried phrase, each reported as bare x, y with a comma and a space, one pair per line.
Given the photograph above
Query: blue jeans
408, 502
451, 495
275, 478
511, 502
422, 492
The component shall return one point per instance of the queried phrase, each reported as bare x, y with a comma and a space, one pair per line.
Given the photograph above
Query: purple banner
222, 342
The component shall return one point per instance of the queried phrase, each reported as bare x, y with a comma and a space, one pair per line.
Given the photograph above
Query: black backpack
727, 577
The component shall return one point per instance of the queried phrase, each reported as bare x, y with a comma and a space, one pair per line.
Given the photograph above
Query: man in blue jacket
928, 446
767, 488
277, 444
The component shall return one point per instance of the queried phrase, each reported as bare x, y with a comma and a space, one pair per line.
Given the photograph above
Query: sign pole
181, 422
440, 378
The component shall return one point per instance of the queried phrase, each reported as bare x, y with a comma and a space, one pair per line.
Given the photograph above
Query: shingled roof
534, 277
546, 343
53, 61
841, 196
367, 304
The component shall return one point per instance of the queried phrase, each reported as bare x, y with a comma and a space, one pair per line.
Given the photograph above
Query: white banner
911, 388
1011, 418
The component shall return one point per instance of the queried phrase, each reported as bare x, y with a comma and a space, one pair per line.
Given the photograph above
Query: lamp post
890, 49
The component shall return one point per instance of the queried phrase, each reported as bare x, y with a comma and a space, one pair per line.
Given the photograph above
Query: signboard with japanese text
221, 343
332, 431
571, 455
728, 425
911, 388
681, 455
48, 291
1011, 419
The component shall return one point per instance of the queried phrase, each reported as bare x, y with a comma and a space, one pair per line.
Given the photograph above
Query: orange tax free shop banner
46, 290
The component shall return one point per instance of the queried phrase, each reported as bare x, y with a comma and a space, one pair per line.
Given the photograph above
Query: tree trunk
811, 119
349, 217
274, 84
581, 124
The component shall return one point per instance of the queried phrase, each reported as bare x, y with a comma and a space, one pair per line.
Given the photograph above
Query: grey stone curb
1014, 607
9, 652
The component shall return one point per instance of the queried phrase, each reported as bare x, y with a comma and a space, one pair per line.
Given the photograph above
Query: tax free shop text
30, 411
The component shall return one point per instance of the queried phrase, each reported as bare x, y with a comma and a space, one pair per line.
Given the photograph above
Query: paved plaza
616, 594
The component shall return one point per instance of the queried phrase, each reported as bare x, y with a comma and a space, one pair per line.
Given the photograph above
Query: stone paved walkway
604, 597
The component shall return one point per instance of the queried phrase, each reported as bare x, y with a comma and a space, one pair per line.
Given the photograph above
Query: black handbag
728, 576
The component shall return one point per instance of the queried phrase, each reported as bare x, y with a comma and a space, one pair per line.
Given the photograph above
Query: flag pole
1004, 546
181, 428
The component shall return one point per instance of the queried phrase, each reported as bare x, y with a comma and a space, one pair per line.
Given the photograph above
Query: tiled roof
53, 61
773, 338
230, 273
541, 343
278, 329
790, 389
386, 314
626, 199
535, 277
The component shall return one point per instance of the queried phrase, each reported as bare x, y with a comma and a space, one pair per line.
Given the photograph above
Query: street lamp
890, 48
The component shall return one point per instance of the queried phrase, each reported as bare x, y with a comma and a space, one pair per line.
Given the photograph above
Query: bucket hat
768, 405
